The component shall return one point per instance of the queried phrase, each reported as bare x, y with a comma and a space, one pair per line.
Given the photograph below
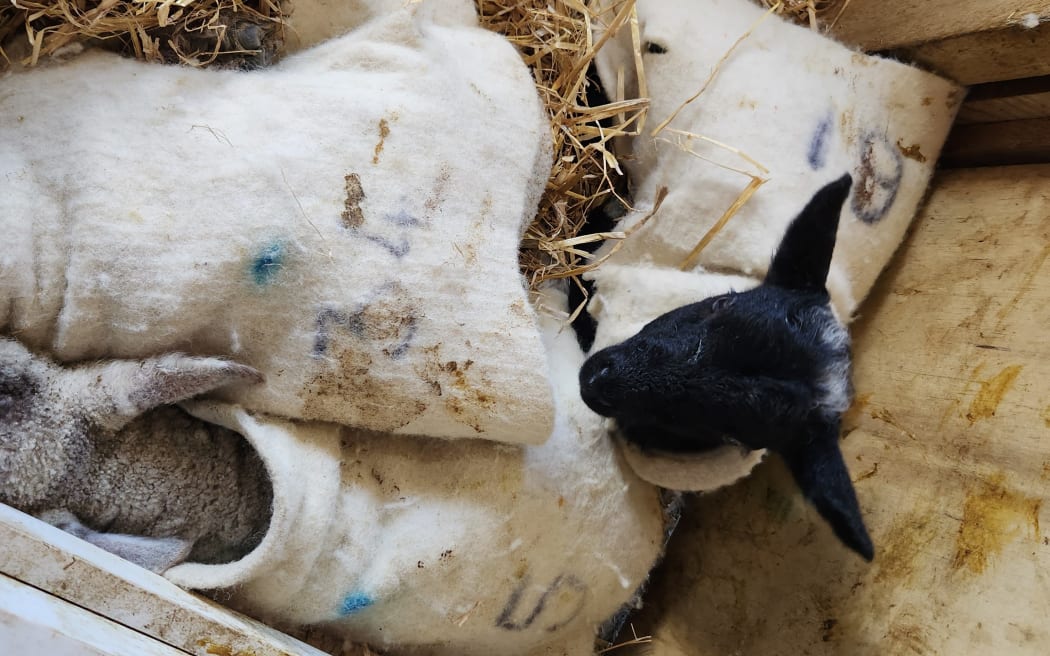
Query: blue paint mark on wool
267, 263
354, 602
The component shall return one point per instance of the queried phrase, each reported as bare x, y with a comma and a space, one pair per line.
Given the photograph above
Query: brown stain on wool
352, 215
384, 132
359, 377
911, 152
990, 394
993, 516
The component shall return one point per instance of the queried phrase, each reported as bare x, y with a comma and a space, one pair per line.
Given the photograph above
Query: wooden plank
34, 622
998, 144
948, 450
888, 24
971, 41
44, 557
1005, 54
1006, 101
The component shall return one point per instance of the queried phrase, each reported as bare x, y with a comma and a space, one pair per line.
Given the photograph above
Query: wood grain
970, 41
947, 443
994, 144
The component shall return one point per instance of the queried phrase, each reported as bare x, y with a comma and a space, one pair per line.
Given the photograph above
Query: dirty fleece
802, 105
446, 547
346, 223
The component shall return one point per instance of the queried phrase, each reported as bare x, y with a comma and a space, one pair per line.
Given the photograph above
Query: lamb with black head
767, 368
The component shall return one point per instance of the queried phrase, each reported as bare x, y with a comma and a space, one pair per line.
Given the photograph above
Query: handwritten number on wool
559, 604
878, 178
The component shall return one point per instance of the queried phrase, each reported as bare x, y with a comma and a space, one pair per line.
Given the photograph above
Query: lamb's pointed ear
821, 474
116, 392
804, 256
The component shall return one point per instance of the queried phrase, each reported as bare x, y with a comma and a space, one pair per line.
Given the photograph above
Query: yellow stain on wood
992, 517
991, 393
900, 549
1026, 284
384, 132
1046, 416
223, 650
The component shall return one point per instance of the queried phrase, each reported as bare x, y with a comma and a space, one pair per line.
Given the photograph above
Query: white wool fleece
433, 547
802, 105
347, 223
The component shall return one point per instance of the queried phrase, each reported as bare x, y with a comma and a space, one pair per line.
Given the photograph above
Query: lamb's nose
594, 384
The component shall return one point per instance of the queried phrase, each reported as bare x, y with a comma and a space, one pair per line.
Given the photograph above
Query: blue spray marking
266, 265
354, 602
818, 145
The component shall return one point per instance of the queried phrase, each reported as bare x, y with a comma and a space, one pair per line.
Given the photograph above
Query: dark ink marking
655, 48
818, 145
403, 219
354, 602
878, 178
325, 318
267, 263
398, 249
399, 350
370, 320
569, 582
352, 215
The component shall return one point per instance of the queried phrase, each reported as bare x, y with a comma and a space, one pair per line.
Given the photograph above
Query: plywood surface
972, 41
949, 446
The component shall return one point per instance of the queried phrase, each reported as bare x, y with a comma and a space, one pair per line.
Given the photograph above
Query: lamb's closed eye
771, 371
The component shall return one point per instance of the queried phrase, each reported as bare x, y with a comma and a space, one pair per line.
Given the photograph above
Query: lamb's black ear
821, 474
804, 255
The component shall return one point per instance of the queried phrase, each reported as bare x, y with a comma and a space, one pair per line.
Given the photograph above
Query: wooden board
990, 144
79, 573
949, 446
1015, 100
971, 41
34, 622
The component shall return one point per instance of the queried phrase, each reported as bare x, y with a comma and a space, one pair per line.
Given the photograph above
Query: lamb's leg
154, 554
113, 393
52, 418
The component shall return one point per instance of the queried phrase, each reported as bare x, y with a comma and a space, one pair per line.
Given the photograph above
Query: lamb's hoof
231, 41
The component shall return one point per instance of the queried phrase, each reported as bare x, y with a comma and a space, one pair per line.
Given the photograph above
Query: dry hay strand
814, 13
235, 33
555, 40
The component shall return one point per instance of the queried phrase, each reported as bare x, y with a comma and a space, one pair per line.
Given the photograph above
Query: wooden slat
948, 450
889, 24
44, 557
996, 144
34, 622
971, 41
1006, 101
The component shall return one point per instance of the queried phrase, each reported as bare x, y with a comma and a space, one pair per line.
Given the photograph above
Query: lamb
92, 442
766, 368
446, 546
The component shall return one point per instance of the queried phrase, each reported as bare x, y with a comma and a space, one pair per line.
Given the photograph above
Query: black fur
765, 368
